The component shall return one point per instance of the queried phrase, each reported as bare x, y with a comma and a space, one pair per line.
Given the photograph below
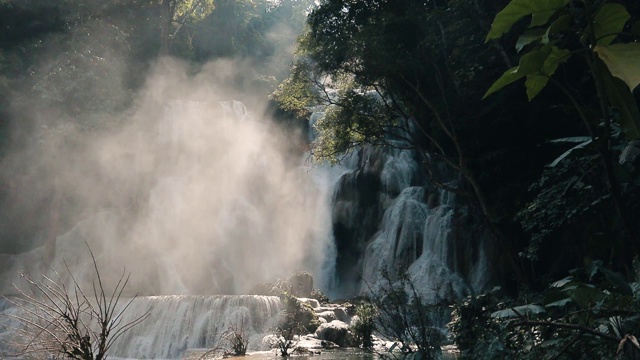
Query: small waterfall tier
178, 323
388, 213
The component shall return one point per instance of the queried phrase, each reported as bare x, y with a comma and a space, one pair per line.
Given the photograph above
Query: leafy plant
365, 324
594, 308
587, 33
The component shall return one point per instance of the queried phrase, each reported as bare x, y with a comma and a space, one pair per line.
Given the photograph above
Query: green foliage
537, 66
193, 10
476, 333
621, 60
549, 45
365, 324
540, 10
594, 308
402, 53
359, 119
609, 22
296, 93
567, 193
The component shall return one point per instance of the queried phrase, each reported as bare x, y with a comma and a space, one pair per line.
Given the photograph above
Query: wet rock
335, 331
327, 315
301, 284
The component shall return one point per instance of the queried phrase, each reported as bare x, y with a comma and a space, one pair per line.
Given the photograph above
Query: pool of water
334, 354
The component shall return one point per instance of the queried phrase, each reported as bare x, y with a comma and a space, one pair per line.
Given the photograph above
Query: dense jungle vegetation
532, 104
548, 163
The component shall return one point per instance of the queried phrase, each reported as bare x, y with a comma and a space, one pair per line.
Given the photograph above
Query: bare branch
57, 320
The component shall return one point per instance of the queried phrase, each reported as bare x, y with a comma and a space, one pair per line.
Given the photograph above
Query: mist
186, 188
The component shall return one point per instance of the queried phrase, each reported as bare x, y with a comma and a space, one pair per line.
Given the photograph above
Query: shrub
364, 324
237, 339
406, 318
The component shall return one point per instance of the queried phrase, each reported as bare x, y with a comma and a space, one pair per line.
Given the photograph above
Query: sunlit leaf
609, 21
622, 61
542, 10
622, 99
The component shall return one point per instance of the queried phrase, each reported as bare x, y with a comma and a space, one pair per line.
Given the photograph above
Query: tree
411, 75
392, 77
71, 321
593, 32
175, 14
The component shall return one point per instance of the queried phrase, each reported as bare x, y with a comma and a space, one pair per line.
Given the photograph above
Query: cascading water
178, 323
213, 206
386, 214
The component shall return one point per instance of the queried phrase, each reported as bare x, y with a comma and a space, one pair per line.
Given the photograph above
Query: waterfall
178, 323
387, 213
194, 322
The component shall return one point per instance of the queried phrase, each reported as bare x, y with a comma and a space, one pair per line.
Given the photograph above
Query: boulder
301, 284
327, 315
341, 315
335, 331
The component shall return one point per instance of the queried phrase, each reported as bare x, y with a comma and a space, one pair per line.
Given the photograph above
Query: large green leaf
536, 82
609, 22
556, 57
562, 23
622, 99
618, 281
622, 61
542, 10
507, 78
528, 37
530, 63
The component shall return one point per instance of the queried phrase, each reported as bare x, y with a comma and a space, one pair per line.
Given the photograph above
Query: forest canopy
543, 165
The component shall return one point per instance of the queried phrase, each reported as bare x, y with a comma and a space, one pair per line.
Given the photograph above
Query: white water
191, 242
178, 323
418, 232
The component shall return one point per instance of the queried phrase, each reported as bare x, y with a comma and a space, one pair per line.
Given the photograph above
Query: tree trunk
165, 40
